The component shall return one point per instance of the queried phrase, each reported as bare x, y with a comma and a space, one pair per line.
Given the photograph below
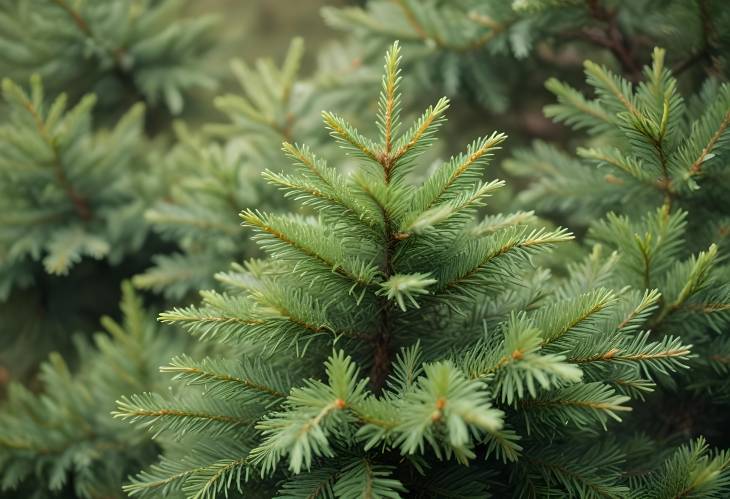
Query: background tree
657, 164
61, 441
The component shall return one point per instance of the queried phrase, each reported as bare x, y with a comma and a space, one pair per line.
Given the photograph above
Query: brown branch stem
118, 54
382, 355
611, 37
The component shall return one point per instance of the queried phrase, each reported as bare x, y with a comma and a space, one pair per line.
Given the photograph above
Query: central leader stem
382, 356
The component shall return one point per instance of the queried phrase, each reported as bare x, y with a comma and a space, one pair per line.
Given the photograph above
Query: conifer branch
462, 165
390, 99
201, 375
533, 240
428, 121
349, 135
80, 203
118, 54
612, 83
498, 361
696, 166
699, 270
477, 43
593, 485
613, 38
255, 220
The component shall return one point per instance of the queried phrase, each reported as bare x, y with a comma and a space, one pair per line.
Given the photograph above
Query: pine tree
471, 353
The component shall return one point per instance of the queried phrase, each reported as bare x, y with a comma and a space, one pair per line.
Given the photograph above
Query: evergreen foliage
483, 49
75, 179
471, 353
71, 193
209, 181
68, 190
650, 146
695, 300
122, 50
657, 153
212, 174
62, 440
378, 329
654, 166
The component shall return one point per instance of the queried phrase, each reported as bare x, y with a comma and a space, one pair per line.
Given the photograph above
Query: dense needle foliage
392, 339
388, 322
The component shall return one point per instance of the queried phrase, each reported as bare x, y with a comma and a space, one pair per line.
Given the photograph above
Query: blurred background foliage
339, 38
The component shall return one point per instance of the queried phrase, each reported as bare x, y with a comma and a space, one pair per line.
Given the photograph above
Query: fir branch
575, 110
366, 480
306, 238
580, 404
419, 136
611, 85
80, 203
697, 273
521, 240
118, 54
154, 412
557, 320
350, 137
217, 377
696, 166
474, 44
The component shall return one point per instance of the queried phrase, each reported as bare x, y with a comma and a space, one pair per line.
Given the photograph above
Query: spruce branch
696, 165
697, 274
80, 203
228, 379
351, 137
613, 38
575, 110
118, 54
475, 43
159, 415
512, 242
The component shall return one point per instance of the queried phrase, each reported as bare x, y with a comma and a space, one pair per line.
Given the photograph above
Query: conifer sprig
67, 190
659, 151
400, 281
